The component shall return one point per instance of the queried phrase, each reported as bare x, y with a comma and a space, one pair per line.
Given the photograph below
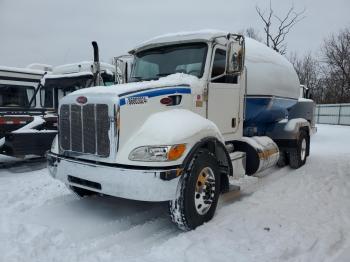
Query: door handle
233, 122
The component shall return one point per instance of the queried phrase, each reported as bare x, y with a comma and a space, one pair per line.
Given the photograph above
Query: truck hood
122, 89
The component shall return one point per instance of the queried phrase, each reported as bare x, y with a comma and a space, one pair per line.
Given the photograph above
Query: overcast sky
60, 31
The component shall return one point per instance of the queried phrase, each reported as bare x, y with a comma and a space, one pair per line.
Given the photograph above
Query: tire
198, 192
298, 155
81, 192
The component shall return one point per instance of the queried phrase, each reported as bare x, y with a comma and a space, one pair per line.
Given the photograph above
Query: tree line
327, 74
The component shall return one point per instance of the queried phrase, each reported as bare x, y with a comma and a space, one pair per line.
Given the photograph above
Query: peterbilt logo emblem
82, 100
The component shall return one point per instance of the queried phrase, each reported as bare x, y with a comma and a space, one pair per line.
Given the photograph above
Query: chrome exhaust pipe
97, 68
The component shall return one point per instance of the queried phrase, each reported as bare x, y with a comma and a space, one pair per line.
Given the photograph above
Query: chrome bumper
144, 185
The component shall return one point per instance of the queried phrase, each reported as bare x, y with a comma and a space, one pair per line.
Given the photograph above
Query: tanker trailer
199, 109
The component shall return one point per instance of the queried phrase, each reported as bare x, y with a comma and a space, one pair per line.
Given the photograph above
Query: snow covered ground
285, 215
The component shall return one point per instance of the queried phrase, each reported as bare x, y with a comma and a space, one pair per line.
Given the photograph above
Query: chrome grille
84, 129
89, 125
64, 127
102, 129
76, 128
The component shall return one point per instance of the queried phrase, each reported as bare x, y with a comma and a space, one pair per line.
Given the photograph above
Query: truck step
238, 160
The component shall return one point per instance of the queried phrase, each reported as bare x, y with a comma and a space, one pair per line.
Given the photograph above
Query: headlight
157, 153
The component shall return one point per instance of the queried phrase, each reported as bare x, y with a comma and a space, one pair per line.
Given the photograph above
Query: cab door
224, 97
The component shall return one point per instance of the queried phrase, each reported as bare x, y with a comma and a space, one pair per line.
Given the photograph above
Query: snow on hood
170, 80
191, 122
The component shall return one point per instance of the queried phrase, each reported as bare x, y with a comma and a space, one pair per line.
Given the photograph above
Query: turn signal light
176, 152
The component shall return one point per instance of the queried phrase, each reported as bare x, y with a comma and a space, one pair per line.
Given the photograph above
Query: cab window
219, 63
16, 96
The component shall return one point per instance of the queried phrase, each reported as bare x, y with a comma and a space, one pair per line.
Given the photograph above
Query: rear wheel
199, 192
298, 155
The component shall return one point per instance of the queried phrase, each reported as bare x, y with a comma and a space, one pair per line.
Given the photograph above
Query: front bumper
129, 183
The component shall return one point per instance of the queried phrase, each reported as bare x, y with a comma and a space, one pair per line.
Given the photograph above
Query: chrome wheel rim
303, 149
205, 191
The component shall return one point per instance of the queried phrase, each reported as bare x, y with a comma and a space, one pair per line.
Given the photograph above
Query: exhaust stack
97, 69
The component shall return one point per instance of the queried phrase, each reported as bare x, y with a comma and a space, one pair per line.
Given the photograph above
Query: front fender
176, 126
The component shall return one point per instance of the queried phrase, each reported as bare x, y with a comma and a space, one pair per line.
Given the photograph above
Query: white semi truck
199, 108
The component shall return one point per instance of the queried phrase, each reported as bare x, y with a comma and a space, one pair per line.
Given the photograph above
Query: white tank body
269, 73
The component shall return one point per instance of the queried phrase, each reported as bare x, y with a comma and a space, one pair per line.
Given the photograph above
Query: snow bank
171, 80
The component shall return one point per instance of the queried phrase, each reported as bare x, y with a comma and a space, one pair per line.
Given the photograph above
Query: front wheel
198, 192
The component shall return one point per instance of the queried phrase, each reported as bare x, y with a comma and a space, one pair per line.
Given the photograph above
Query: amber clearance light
176, 152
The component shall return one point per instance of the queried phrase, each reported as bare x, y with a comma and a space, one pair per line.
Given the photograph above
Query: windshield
56, 88
166, 60
15, 96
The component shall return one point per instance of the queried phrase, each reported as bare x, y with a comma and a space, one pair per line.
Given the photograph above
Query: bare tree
308, 70
336, 65
328, 77
276, 35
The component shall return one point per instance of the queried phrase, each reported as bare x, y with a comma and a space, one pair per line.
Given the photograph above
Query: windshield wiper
164, 74
136, 79
139, 78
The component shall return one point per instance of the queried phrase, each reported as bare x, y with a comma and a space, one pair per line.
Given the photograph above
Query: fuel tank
261, 153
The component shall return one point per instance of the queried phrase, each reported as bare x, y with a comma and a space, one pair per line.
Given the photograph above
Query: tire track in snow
132, 230
136, 240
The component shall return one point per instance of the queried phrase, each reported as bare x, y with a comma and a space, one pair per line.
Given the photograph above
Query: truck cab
65, 79
19, 99
189, 119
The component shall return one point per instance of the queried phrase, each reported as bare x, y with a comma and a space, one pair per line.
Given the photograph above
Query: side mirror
235, 57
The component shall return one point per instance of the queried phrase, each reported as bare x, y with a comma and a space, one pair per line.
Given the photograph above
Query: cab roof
85, 66
180, 37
